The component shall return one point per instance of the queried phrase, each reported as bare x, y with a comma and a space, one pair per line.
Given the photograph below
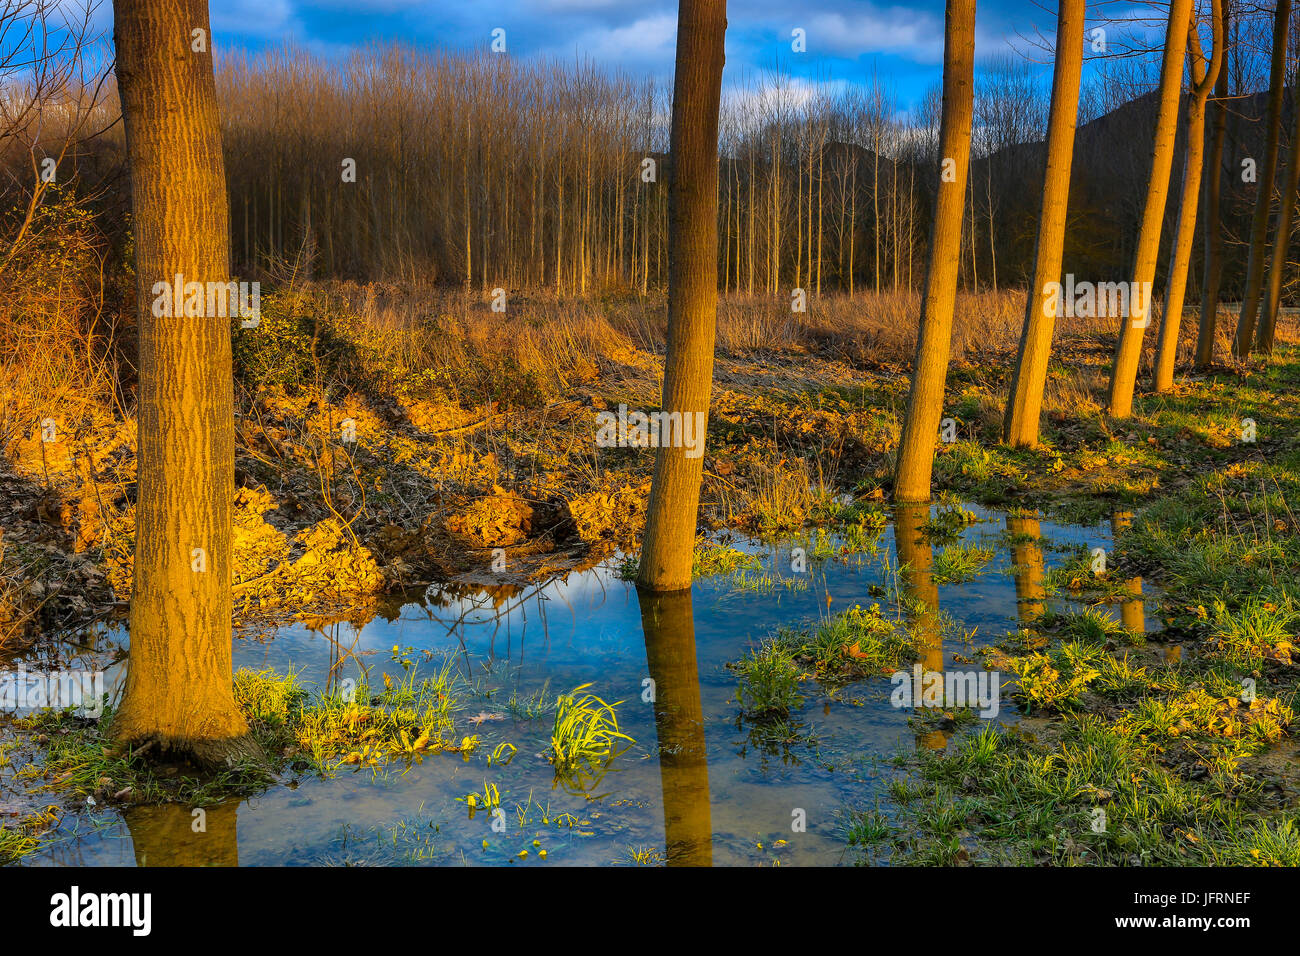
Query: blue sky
847, 39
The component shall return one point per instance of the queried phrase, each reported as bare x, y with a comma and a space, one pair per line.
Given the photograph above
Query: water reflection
916, 564
515, 650
669, 628
1027, 556
1131, 612
176, 835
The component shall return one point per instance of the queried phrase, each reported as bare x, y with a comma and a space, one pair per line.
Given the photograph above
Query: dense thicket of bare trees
479, 169
491, 172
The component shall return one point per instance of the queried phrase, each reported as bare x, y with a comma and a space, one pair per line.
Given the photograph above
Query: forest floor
371, 456
374, 453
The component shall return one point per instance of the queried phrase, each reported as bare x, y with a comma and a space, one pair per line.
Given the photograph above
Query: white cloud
649, 39
259, 18
909, 33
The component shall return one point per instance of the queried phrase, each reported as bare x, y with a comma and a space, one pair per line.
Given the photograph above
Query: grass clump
76, 756
1089, 624
1256, 631
411, 717
856, 644
958, 563
1057, 679
1076, 578
709, 560
948, 522
268, 699
585, 735
769, 681
24, 838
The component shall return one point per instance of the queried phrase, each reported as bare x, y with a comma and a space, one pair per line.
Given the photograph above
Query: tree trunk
1281, 237
692, 290
925, 399
1213, 224
1203, 80
1128, 346
1024, 405
178, 687
1264, 193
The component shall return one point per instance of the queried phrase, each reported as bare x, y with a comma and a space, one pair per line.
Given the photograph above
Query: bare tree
669, 543
925, 400
1268, 170
1213, 277
1128, 347
178, 685
1203, 79
1024, 405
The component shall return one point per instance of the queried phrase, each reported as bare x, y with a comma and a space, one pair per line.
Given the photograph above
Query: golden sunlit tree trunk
1264, 190
1025, 403
1132, 327
692, 290
925, 399
1203, 80
178, 686
1213, 200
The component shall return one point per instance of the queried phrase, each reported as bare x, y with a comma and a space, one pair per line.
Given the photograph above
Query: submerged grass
297, 730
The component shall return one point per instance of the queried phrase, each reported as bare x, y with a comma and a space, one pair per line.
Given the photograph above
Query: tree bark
1281, 237
925, 399
1264, 194
1203, 79
692, 289
1025, 403
1128, 346
1213, 221
178, 687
